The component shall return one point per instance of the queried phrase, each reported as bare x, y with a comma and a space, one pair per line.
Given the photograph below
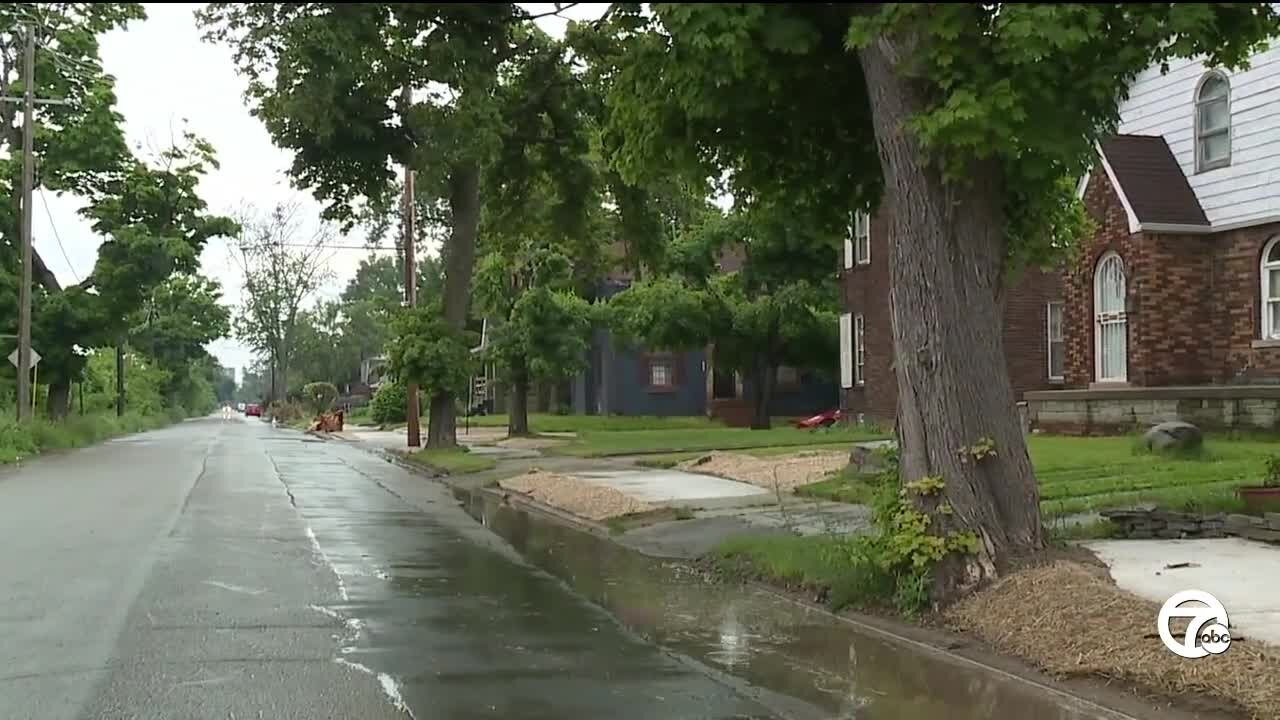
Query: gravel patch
1069, 619
785, 472
582, 498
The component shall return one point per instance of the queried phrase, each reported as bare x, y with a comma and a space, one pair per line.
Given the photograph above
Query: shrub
388, 403
285, 411
319, 397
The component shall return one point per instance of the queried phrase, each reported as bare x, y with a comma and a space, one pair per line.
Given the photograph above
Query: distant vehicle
822, 420
253, 410
240, 407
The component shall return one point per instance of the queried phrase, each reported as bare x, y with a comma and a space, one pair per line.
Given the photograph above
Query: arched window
1213, 122
1111, 337
1271, 290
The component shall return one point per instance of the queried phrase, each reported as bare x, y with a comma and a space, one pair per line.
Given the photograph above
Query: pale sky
165, 73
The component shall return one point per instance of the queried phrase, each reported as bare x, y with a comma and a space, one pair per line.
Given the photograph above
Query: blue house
625, 380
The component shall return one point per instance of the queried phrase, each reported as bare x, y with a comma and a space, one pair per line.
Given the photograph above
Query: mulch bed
1070, 620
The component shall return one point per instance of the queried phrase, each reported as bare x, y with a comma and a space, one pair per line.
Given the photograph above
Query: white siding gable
1247, 190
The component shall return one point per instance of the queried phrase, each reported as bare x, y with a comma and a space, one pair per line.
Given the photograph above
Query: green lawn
844, 486
1085, 474
684, 440
452, 461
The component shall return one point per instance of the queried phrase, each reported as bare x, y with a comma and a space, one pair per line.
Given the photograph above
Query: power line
58, 237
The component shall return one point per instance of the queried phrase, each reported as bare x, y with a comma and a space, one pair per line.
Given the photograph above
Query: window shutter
848, 252
846, 350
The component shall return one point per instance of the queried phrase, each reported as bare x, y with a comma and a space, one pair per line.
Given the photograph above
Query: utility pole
28, 172
412, 411
29, 101
120, 375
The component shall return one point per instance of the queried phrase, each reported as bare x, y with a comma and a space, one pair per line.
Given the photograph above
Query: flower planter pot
1259, 500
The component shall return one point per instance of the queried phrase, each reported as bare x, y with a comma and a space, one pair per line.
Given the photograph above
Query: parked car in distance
240, 407
253, 410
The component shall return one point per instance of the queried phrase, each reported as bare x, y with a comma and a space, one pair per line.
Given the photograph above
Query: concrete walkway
1244, 576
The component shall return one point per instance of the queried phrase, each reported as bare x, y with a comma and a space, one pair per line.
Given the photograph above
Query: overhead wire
49, 214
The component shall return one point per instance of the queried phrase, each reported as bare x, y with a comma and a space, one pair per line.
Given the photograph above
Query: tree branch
556, 13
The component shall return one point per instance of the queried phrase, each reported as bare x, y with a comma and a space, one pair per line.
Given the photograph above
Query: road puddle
769, 641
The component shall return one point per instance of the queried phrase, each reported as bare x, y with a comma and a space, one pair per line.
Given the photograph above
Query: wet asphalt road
223, 569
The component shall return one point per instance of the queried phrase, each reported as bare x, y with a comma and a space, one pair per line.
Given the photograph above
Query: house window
859, 352
846, 350
1057, 359
662, 372
1111, 338
1271, 290
788, 376
862, 238
1213, 122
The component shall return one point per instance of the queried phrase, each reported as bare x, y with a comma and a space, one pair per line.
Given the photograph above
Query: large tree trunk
460, 255
946, 255
518, 417
762, 380
59, 402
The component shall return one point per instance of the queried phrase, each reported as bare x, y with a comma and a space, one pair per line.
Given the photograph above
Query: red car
822, 420
253, 410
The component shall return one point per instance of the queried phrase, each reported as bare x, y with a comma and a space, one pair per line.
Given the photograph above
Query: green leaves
428, 351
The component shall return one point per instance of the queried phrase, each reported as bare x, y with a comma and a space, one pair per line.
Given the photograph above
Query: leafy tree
319, 397
389, 403
540, 329
777, 307
225, 387
282, 268
148, 210
255, 383
972, 117
352, 89
426, 349
182, 315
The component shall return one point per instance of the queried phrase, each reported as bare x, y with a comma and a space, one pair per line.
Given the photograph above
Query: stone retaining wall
1150, 523
1142, 524
1119, 410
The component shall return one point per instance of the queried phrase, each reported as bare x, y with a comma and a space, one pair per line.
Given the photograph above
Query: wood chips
1070, 620
582, 498
784, 473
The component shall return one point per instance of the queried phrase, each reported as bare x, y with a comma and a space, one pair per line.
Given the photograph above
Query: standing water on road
771, 642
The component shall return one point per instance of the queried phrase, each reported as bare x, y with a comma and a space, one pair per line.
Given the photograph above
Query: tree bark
946, 257
518, 417
464, 205
59, 402
762, 381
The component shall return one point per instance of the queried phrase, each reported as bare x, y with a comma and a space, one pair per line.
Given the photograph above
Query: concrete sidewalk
1243, 575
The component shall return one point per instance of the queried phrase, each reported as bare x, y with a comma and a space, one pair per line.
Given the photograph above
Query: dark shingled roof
1152, 181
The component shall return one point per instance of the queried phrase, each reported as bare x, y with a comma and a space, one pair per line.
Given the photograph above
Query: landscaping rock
1236, 522
1172, 436
865, 460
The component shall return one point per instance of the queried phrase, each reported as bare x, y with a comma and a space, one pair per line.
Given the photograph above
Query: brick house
1033, 315
1171, 310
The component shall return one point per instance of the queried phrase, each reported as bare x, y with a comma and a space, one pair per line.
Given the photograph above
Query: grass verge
829, 568
681, 441
452, 461
846, 487
41, 435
